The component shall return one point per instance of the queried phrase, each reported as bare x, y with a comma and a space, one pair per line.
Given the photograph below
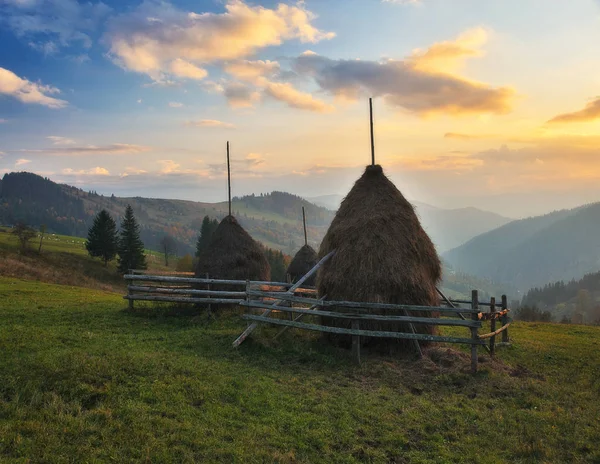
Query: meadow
83, 379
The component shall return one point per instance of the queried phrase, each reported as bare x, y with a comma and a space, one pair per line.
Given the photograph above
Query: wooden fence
453, 314
276, 298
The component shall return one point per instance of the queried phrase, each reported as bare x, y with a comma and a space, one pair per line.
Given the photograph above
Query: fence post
492, 326
475, 317
355, 342
129, 292
209, 312
504, 320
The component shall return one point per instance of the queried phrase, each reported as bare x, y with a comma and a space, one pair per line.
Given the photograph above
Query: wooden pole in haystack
304, 224
228, 180
372, 137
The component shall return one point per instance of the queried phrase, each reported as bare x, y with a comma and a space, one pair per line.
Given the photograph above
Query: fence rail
261, 295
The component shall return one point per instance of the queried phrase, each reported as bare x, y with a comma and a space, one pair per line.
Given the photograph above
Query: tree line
106, 243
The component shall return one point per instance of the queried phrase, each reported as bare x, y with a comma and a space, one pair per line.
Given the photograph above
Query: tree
42, 232
130, 246
185, 264
206, 232
169, 247
102, 239
24, 233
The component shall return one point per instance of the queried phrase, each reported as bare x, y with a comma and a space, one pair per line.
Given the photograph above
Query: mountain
448, 228
274, 219
532, 252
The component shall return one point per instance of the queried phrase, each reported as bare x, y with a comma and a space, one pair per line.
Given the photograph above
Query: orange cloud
424, 83
28, 92
210, 123
159, 40
589, 113
459, 136
285, 92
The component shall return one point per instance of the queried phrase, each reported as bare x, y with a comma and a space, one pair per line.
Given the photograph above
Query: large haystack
383, 254
233, 254
304, 261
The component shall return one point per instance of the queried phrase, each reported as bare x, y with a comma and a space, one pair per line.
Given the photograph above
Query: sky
478, 103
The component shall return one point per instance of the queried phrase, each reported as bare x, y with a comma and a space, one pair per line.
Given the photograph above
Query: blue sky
483, 103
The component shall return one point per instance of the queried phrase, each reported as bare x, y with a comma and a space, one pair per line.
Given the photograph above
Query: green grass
82, 380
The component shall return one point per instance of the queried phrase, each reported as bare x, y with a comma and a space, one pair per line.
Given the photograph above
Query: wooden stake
304, 223
228, 180
493, 326
505, 319
474, 305
372, 138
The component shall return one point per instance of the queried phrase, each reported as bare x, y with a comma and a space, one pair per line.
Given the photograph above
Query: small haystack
304, 261
383, 255
233, 254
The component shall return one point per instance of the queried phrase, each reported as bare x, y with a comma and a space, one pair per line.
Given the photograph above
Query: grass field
83, 380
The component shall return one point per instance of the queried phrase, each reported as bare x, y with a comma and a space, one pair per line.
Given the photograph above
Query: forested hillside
576, 300
532, 252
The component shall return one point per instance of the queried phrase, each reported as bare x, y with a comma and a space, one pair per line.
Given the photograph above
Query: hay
383, 254
304, 261
233, 254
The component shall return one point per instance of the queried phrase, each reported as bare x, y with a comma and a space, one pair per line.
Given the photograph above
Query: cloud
589, 113
112, 149
175, 104
448, 56
285, 92
210, 123
57, 140
28, 92
252, 71
460, 136
22, 161
421, 83
240, 95
97, 171
155, 36
182, 68
49, 25
3, 121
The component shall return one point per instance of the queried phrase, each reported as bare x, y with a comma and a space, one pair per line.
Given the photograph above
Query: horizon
473, 106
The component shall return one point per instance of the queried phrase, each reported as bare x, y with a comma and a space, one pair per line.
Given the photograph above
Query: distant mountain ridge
531, 252
448, 228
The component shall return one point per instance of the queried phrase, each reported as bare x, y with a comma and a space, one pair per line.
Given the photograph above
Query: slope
531, 252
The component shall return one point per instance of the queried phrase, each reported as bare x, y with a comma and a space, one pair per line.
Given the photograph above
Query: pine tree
102, 238
131, 247
206, 232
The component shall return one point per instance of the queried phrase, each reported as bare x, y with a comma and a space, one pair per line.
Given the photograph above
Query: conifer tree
206, 232
131, 247
102, 238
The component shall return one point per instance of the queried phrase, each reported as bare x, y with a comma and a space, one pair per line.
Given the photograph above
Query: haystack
304, 261
233, 254
383, 254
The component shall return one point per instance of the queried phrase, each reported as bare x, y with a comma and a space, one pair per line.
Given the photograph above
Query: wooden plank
474, 307
448, 302
177, 291
297, 318
174, 299
370, 317
467, 302
356, 342
363, 333
492, 326
193, 280
356, 304
238, 341
505, 319
494, 333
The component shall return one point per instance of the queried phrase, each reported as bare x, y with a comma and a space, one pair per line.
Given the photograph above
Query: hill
577, 300
273, 219
534, 251
103, 384
448, 228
